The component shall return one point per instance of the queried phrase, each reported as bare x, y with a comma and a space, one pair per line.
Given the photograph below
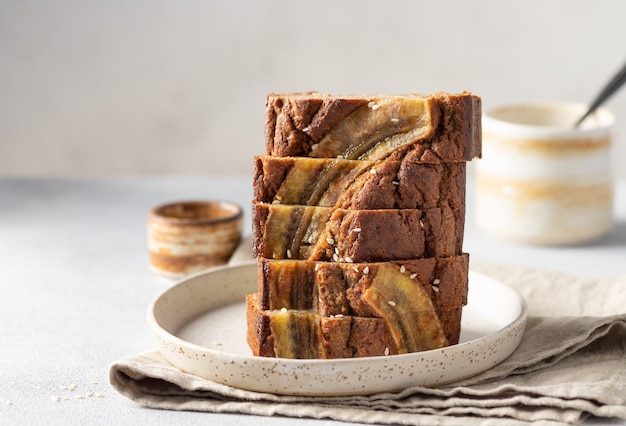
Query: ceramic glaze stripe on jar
543, 181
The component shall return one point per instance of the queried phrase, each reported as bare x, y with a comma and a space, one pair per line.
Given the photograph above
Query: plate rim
272, 362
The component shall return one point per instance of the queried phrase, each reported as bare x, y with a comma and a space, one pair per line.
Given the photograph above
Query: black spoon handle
606, 93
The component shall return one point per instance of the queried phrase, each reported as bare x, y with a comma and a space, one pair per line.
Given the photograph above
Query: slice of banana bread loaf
358, 184
305, 334
358, 218
342, 288
433, 128
330, 234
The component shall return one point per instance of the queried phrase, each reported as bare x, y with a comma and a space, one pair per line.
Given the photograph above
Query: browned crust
296, 121
258, 334
451, 321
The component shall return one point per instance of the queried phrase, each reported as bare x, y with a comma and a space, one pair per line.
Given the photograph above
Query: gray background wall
152, 87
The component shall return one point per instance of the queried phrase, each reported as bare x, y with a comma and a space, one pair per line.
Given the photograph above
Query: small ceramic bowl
190, 236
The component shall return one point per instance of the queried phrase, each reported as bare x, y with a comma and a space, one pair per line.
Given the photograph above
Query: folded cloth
571, 363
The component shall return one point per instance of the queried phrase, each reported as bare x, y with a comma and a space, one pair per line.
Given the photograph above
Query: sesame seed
306, 129
283, 310
339, 316
355, 268
402, 269
366, 270
217, 343
80, 396
63, 387
348, 259
93, 383
88, 394
386, 351
373, 171
330, 241
100, 395
412, 276
435, 288
391, 303
371, 104
314, 146
375, 107
276, 202
395, 182
288, 254
55, 398
72, 387
395, 120
356, 230
336, 250
436, 281
340, 157
335, 257
317, 267
65, 398
421, 224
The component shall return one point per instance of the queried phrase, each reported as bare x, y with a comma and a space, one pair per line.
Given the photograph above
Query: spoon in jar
612, 86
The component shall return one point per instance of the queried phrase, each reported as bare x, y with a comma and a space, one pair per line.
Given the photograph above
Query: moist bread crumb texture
358, 218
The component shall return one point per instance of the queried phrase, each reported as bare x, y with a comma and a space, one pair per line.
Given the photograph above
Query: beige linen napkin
571, 363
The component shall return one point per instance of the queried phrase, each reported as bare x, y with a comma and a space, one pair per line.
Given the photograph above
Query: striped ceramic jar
543, 181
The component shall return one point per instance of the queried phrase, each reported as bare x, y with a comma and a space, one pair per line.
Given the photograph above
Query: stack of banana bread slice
358, 218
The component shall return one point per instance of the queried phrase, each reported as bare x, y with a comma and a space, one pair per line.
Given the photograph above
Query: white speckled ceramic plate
200, 325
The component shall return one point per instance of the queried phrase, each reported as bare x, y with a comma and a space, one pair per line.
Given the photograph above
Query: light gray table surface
76, 287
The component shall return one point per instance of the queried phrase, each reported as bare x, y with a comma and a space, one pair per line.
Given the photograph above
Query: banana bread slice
342, 288
305, 334
358, 184
328, 234
433, 128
